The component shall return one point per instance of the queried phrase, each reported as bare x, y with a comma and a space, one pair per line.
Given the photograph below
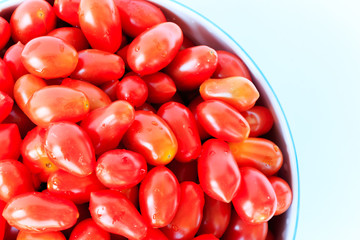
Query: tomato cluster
115, 125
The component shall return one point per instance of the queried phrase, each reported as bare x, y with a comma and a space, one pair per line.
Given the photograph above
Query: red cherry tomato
182, 122
216, 217
283, 194
258, 153
112, 66
260, 120
23, 235
240, 230
6, 79
222, 121
31, 19
56, 103
49, 57
192, 66
110, 89
184, 171
236, 91
40, 212
132, 194
10, 141
113, 212
150, 136
193, 106
230, 65
155, 48
5, 32
106, 126
67, 10
74, 155
256, 199
218, 173
12, 58
206, 237
121, 169
161, 87
188, 217
6, 104
89, 230
159, 197
103, 33
20, 119
132, 89
72, 36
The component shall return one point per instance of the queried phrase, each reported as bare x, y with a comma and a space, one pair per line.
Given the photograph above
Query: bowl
284, 226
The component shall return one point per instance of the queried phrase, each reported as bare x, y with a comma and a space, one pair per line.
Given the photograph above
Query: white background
309, 50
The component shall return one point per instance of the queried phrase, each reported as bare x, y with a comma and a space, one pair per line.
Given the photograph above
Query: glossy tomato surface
5, 32
10, 141
6, 104
161, 87
260, 120
193, 108
23, 235
89, 230
71, 35
6, 79
283, 194
133, 90
12, 58
67, 10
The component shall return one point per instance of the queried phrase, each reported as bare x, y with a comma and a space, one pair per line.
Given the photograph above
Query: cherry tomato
113, 212
67, 10
49, 57
206, 237
10, 141
97, 97
56, 103
188, 217
74, 155
5, 32
260, 120
40, 212
161, 87
89, 230
155, 48
20, 119
193, 106
283, 194
184, 171
155, 234
256, 199
103, 33
230, 65
106, 126
222, 121
132, 194
150, 136
240, 230
258, 153
132, 89
31, 19
12, 58
192, 66
218, 173
182, 122
121, 169
72, 36
138, 15
112, 66
110, 89
6, 80
159, 197
6, 104
216, 217
23, 235
236, 91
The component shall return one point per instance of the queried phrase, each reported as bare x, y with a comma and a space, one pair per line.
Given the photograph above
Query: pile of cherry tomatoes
115, 125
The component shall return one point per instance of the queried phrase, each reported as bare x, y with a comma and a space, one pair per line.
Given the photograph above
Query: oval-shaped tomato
12, 58
206, 237
121, 169
184, 171
71, 35
230, 65
40, 212
222, 121
192, 66
256, 199
112, 66
97, 97
89, 230
56, 103
113, 212
182, 122
188, 217
49, 57
260, 120
106, 126
74, 155
218, 173
103, 33
161, 87
159, 197
10, 141
155, 48
5, 32
132, 89
20, 119
258, 153
150, 136
239, 92
31, 19
23, 235
216, 217
6, 79
67, 10
283, 194
6, 104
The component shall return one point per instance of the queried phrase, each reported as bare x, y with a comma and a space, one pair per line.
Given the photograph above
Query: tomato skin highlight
133, 90
10, 141
88, 230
